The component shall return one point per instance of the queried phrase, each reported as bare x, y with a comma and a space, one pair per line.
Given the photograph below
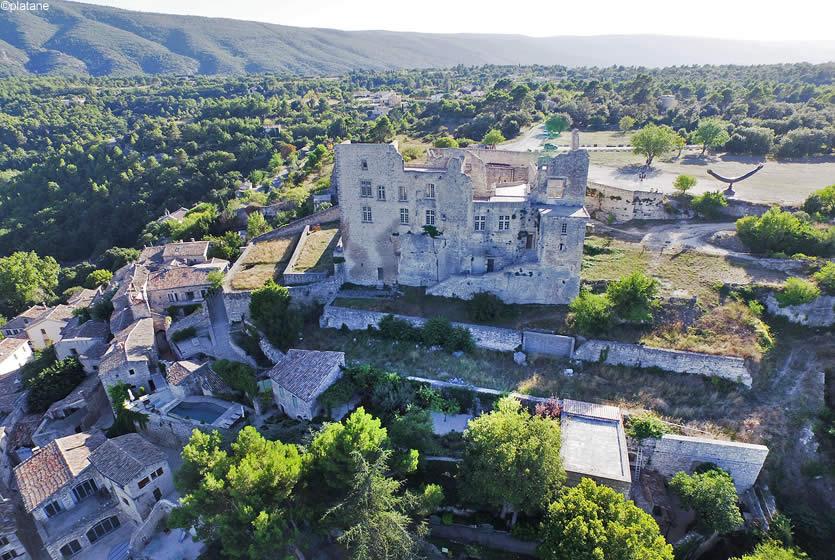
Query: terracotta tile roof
9, 346
27, 317
123, 458
303, 372
178, 277
54, 466
178, 372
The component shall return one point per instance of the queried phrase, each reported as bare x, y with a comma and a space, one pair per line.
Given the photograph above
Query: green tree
256, 224
445, 142
593, 522
557, 124
634, 297
784, 232
115, 258
99, 277
504, 443
711, 133
709, 205
243, 499
771, 550
381, 520
652, 141
126, 420
626, 123
227, 246
25, 279
382, 131
821, 203
684, 183
270, 310
215, 278
493, 137
591, 313
52, 383
712, 495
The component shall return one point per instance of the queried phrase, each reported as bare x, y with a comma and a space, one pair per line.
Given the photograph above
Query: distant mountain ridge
86, 39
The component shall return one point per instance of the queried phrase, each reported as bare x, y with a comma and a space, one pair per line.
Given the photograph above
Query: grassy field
263, 261
317, 250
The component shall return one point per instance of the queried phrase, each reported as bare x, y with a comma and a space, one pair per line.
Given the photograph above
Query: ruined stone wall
635, 355
548, 344
331, 214
492, 338
624, 205
817, 313
237, 305
673, 453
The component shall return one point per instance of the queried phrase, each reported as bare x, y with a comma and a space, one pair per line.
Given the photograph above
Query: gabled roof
303, 372
9, 346
178, 277
60, 313
134, 343
27, 317
185, 249
123, 458
178, 372
83, 298
92, 328
54, 466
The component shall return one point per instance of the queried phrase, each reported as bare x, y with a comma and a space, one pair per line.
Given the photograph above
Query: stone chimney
575, 139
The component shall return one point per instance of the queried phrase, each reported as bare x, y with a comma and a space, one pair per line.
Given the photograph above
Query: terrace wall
546, 344
817, 313
625, 204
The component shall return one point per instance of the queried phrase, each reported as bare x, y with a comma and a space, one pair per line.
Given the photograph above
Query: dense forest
86, 164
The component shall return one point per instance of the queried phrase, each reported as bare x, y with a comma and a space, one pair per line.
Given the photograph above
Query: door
491, 265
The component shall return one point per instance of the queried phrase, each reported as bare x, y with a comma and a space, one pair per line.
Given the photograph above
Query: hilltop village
493, 349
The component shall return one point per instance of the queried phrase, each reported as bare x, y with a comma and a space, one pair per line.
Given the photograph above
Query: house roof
185, 249
303, 372
52, 467
178, 277
178, 372
24, 319
92, 328
60, 313
9, 346
83, 298
123, 458
134, 343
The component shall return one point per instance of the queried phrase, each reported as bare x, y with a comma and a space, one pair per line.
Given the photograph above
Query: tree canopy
713, 497
270, 310
26, 279
652, 141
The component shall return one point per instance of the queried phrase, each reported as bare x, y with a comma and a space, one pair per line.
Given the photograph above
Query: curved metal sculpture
731, 180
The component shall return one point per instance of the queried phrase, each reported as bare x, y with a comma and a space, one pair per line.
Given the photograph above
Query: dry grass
263, 261
317, 250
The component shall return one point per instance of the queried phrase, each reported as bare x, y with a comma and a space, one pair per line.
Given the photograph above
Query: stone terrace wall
624, 204
547, 344
332, 214
491, 338
817, 313
673, 453
635, 355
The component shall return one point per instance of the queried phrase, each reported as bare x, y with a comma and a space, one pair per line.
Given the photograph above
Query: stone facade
607, 203
506, 223
672, 453
546, 344
817, 313
635, 355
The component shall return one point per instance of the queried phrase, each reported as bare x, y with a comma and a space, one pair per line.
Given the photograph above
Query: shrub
712, 496
825, 278
238, 375
270, 310
821, 203
633, 297
394, 328
709, 205
413, 430
779, 231
646, 425
184, 334
684, 183
53, 383
485, 307
591, 313
436, 331
797, 291
445, 142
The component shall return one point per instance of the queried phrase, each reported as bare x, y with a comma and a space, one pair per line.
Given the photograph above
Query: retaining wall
491, 338
817, 313
548, 344
672, 453
331, 214
635, 355
625, 204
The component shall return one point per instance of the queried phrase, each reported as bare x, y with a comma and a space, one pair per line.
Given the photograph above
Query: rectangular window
85, 489
365, 189
366, 214
9, 555
430, 217
562, 246
564, 228
364, 164
52, 508
102, 528
504, 223
144, 482
157, 473
157, 494
131, 372
71, 548
430, 190
381, 192
480, 223
189, 295
404, 216
402, 196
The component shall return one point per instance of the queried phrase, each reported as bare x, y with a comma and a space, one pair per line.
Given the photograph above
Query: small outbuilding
301, 377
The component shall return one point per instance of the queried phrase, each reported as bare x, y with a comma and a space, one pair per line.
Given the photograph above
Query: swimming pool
205, 412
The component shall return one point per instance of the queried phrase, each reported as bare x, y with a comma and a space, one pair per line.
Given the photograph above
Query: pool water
205, 412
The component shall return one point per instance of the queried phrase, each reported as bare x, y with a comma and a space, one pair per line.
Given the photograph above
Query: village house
301, 377
183, 252
180, 285
86, 406
129, 301
186, 379
10, 545
46, 329
88, 495
14, 352
86, 341
131, 358
465, 221
17, 325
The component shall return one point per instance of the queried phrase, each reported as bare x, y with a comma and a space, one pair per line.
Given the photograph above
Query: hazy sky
743, 19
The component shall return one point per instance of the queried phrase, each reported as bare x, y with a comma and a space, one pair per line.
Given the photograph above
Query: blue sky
743, 19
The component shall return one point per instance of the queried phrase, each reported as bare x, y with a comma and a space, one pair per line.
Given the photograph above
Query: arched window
102, 528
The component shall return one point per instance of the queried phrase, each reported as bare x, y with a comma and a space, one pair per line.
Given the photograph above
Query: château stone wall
625, 204
817, 313
634, 355
673, 453
491, 338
